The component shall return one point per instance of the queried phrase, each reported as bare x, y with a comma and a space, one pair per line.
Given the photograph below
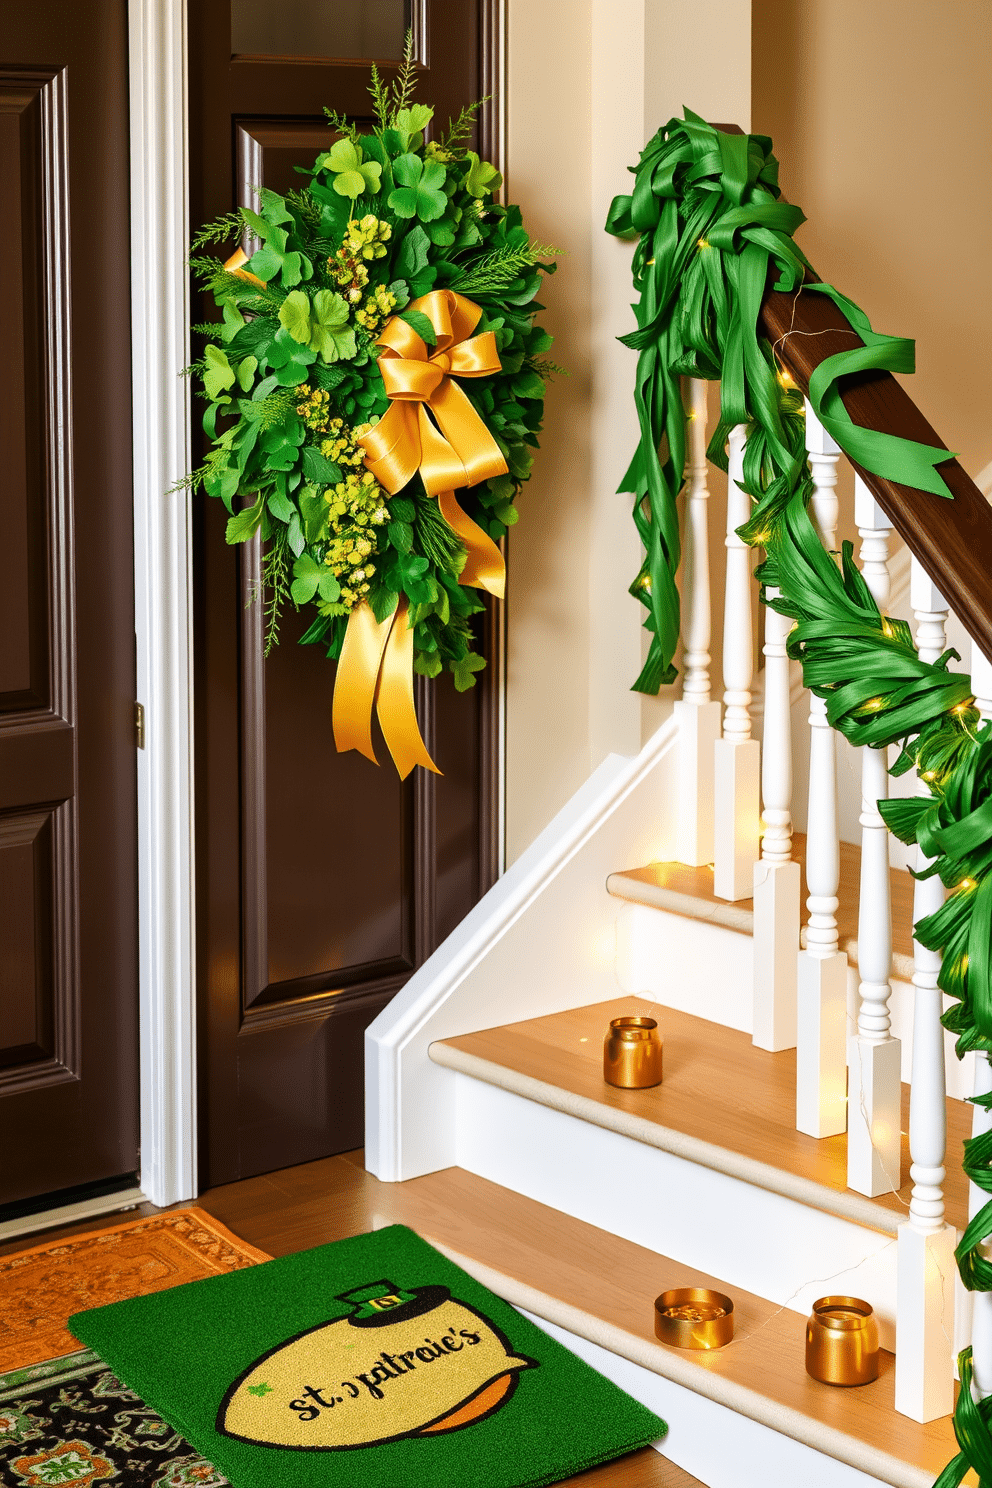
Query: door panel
323, 881
68, 988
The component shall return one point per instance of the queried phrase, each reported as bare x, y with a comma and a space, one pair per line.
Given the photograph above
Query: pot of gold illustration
402, 1362
632, 1053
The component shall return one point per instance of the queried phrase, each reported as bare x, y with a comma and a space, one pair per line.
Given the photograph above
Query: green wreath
710, 227
385, 227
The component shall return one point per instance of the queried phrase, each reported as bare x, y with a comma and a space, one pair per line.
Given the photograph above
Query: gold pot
842, 1342
632, 1053
694, 1317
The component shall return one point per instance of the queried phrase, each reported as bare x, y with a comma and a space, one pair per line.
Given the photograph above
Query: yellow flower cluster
363, 241
342, 447
436, 151
356, 508
375, 307
313, 407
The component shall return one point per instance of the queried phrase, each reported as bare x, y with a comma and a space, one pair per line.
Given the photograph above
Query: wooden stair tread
718, 1090
592, 1282
689, 891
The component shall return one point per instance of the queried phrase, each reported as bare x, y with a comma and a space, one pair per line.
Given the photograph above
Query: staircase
796, 1145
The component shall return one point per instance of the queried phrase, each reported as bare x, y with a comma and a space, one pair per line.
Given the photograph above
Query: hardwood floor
531, 1253
318, 1202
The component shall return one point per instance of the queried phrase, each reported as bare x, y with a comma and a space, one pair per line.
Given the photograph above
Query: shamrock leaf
463, 671
427, 666
409, 573
223, 482
412, 121
442, 233
295, 316
352, 177
218, 375
246, 372
482, 178
328, 587
306, 577
233, 321
313, 508
274, 210
419, 193
330, 335
288, 360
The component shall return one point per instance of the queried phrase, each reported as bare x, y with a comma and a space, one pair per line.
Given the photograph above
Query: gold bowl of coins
694, 1317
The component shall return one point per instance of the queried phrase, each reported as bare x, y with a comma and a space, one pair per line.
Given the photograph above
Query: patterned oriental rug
64, 1418
42, 1287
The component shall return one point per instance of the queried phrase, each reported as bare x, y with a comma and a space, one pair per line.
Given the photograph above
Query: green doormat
371, 1361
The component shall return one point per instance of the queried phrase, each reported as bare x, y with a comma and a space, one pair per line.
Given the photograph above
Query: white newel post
698, 716
874, 1115
821, 1025
737, 756
925, 1306
981, 1325
776, 876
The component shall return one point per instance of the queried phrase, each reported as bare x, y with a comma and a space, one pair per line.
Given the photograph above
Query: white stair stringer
542, 940
720, 1431
770, 1232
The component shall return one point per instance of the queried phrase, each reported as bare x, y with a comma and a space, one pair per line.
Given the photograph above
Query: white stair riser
706, 970
717, 1445
761, 1241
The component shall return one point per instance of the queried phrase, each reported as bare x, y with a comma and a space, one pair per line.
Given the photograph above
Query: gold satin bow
462, 452
376, 665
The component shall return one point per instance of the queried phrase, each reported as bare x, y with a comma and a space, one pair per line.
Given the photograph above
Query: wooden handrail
952, 539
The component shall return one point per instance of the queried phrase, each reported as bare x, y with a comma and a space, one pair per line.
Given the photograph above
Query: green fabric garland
710, 226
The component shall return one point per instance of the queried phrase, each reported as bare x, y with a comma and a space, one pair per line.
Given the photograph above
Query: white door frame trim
163, 597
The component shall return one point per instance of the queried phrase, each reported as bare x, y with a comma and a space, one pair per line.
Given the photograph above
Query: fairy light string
711, 228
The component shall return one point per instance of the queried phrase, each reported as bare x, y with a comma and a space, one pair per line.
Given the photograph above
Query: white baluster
776, 876
925, 1307
821, 1026
981, 1325
737, 756
698, 717
874, 1116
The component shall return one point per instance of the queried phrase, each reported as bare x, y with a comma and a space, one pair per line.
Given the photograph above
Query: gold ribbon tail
394, 699
234, 265
484, 566
376, 669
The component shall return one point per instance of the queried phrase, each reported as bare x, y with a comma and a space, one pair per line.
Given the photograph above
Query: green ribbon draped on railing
706, 207
710, 226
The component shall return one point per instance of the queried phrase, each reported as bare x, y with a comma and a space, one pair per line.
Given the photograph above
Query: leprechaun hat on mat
374, 1360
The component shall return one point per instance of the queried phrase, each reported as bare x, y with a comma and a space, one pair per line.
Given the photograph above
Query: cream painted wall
882, 120
862, 100
589, 80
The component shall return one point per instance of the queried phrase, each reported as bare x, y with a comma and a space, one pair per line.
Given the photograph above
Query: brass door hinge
139, 725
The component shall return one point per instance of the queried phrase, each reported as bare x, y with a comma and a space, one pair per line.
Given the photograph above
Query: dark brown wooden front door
323, 882
68, 955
